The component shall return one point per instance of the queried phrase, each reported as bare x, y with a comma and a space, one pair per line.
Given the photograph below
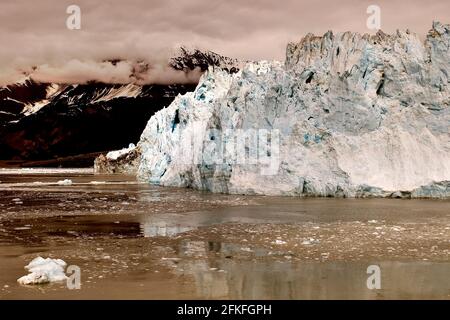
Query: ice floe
44, 271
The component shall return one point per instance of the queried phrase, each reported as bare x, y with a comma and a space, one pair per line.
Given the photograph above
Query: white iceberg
44, 271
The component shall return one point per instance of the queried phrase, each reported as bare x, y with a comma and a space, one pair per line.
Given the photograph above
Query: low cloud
34, 34
75, 71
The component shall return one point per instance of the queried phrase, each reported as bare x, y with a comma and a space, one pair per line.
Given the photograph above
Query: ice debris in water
17, 201
98, 182
65, 182
310, 241
44, 271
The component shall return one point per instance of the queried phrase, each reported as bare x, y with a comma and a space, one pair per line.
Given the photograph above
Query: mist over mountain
44, 121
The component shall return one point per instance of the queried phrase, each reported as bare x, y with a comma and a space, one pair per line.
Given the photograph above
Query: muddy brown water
135, 241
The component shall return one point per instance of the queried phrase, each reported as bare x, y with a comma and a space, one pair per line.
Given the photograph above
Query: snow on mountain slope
52, 91
84, 118
14, 98
128, 91
189, 59
347, 115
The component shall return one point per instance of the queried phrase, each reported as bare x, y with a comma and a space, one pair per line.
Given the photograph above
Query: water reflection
222, 277
172, 224
162, 229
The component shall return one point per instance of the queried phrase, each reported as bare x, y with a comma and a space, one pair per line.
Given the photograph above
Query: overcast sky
34, 33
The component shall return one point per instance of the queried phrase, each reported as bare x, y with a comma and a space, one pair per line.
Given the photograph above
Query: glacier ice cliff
345, 115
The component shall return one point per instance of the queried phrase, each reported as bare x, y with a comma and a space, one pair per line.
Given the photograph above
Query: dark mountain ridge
47, 121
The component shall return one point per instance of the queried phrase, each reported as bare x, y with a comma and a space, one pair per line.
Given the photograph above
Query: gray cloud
35, 34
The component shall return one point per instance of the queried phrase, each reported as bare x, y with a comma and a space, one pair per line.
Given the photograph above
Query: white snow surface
355, 113
52, 90
65, 182
114, 155
44, 271
129, 91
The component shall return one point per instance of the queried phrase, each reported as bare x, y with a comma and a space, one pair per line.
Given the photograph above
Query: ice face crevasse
357, 115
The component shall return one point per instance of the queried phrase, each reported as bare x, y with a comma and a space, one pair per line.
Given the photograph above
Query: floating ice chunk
98, 182
65, 182
279, 242
23, 228
17, 201
310, 241
44, 271
170, 259
114, 155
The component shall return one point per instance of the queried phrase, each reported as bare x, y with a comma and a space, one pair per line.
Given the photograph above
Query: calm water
132, 240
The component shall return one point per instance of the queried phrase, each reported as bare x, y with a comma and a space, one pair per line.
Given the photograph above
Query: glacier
346, 115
